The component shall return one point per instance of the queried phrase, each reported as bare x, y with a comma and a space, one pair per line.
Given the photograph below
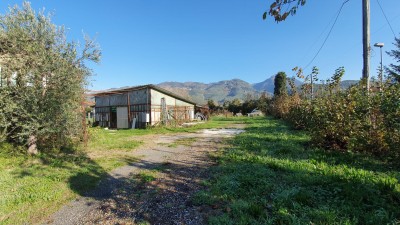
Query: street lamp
380, 45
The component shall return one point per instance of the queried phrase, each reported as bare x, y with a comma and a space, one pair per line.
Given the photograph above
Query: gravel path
155, 190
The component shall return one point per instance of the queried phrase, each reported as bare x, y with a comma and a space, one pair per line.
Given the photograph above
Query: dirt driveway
155, 190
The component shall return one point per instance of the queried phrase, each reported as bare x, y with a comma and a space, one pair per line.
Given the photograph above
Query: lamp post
380, 45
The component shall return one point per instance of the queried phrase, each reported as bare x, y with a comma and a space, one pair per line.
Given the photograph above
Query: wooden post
129, 109
312, 86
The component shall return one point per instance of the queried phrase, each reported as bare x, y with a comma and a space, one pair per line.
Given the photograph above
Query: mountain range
227, 89
219, 91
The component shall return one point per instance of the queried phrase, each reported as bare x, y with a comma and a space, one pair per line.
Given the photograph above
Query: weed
147, 176
183, 142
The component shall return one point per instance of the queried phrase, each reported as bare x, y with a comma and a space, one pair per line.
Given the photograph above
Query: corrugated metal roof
125, 89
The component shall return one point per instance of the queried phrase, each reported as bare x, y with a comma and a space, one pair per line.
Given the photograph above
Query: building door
113, 117
122, 117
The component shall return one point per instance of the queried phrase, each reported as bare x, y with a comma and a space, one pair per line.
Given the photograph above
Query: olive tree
43, 79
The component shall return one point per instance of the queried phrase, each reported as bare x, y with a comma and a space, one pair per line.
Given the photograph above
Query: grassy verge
31, 188
270, 176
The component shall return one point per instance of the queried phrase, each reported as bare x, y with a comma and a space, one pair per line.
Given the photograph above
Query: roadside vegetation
346, 120
326, 155
271, 175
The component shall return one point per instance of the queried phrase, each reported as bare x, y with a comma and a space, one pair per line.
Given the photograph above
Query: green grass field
31, 188
271, 176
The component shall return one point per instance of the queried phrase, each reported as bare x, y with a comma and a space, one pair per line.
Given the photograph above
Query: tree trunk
32, 148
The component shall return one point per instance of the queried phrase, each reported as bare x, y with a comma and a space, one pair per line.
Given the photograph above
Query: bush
350, 120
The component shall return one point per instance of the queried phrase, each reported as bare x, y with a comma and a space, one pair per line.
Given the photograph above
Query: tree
211, 104
275, 9
394, 70
249, 105
234, 106
309, 80
280, 84
313, 78
44, 81
226, 104
334, 82
264, 102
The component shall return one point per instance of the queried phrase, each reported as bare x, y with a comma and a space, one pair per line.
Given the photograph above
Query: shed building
141, 106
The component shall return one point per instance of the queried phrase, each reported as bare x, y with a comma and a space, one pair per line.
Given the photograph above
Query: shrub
351, 120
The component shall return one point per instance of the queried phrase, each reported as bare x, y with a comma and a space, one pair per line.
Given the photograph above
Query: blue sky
150, 41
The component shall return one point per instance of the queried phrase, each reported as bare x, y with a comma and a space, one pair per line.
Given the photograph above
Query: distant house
141, 106
255, 112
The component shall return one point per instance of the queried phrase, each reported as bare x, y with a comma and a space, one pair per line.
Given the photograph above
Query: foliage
343, 120
263, 103
268, 176
275, 9
308, 86
359, 122
234, 106
43, 80
280, 84
346, 119
211, 104
281, 102
249, 105
394, 70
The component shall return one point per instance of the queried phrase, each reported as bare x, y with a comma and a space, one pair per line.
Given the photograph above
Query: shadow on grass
80, 172
84, 173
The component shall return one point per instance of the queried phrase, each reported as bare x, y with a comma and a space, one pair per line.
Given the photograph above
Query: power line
386, 18
321, 34
345, 52
330, 31
383, 26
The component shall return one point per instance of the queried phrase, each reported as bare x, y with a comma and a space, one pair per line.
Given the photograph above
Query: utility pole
381, 86
312, 87
366, 41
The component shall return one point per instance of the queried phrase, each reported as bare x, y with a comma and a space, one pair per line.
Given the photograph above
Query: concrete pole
366, 41
381, 71
312, 87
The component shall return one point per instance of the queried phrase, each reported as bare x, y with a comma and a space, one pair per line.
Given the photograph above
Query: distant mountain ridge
218, 91
227, 89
